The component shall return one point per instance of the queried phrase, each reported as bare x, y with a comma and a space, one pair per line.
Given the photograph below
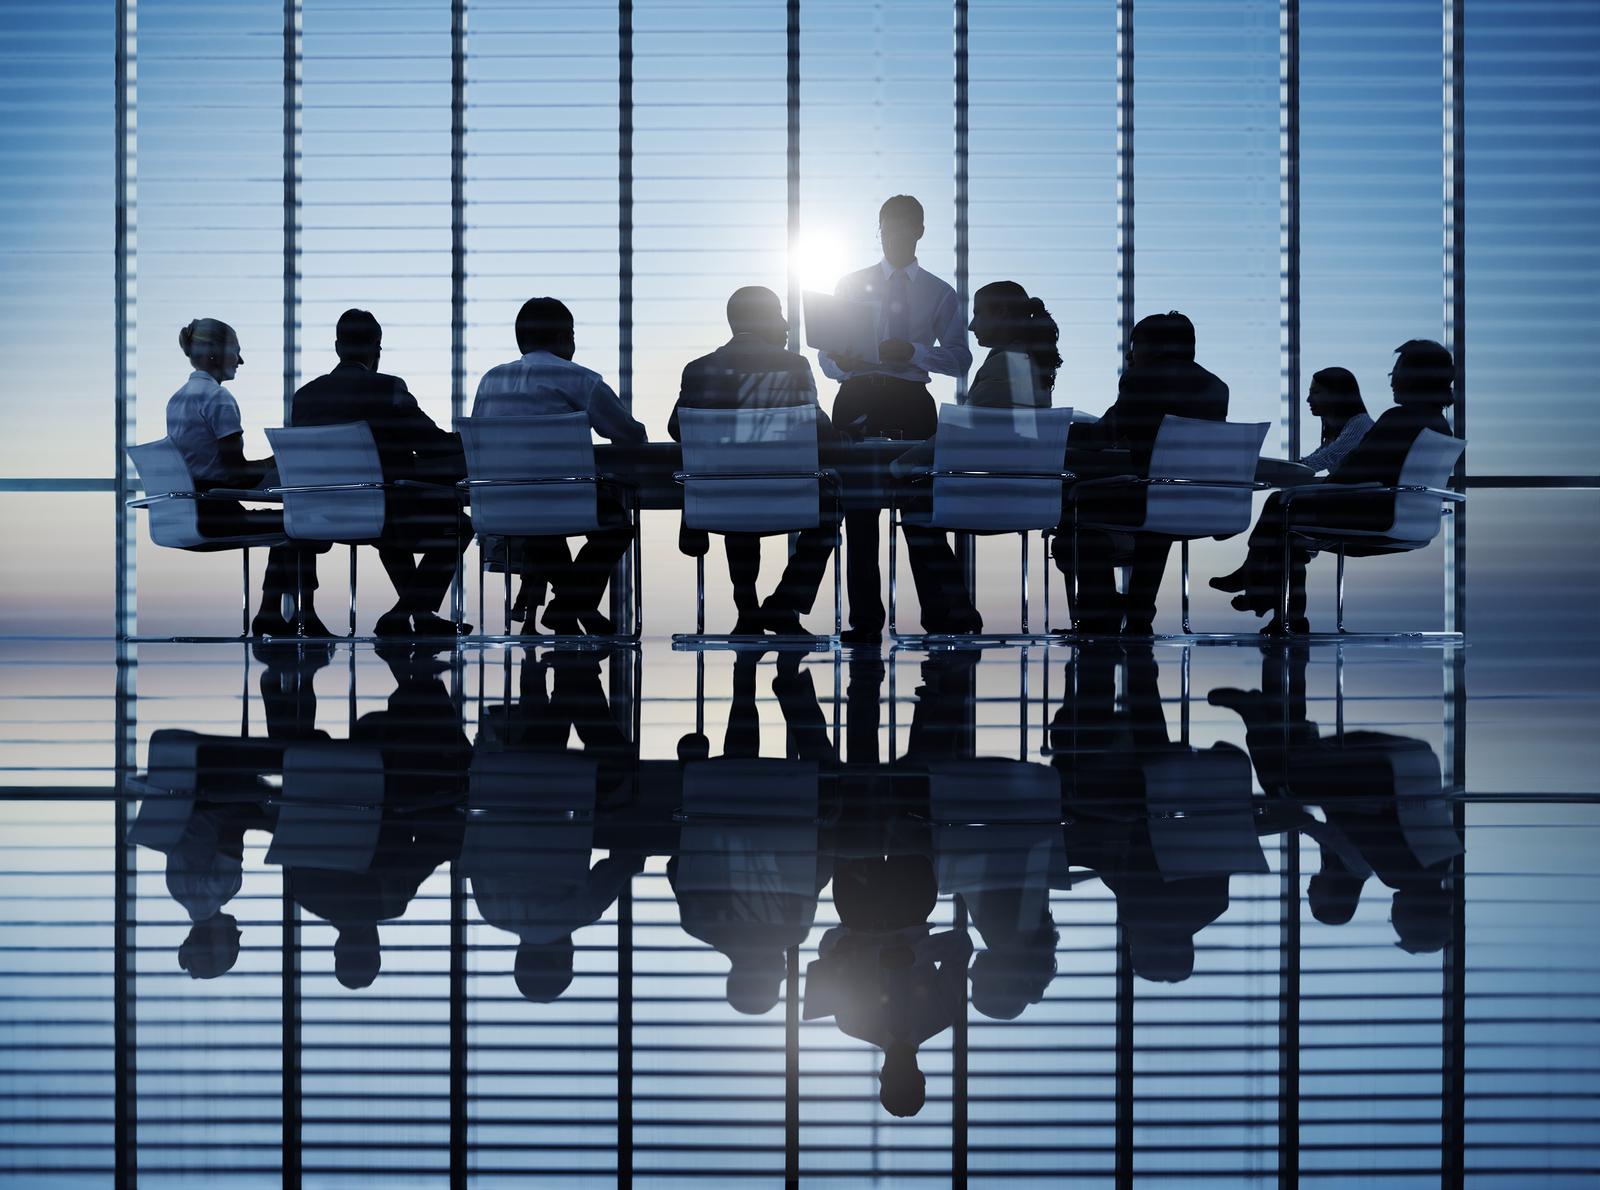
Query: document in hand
842, 327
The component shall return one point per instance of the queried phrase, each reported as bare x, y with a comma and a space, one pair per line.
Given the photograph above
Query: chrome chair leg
700, 594
481, 564
1044, 548
1024, 537
894, 558
505, 603
244, 610
1338, 590
1185, 553
352, 588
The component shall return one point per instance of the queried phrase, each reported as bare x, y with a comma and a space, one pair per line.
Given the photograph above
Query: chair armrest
415, 485
825, 474
1379, 489
924, 476
1142, 481
329, 487
225, 495
532, 482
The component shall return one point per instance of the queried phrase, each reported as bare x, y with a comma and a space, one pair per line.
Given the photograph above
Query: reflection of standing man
922, 328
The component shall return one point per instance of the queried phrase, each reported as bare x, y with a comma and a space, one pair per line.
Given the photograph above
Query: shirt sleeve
610, 419
826, 362
1326, 458
951, 357
221, 412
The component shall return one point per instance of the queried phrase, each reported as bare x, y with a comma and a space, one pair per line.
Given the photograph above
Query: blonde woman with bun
203, 423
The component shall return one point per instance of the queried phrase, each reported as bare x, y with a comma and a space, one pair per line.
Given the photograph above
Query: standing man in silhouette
410, 447
922, 329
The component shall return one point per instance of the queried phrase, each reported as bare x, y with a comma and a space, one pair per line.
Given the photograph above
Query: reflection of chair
1201, 817
174, 503
331, 807
1420, 502
332, 488
996, 825
1198, 485
751, 471
994, 471
525, 783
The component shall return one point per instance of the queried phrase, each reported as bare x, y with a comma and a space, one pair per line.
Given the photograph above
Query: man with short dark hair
410, 447
922, 329
545, 381
755, 370
1161, 377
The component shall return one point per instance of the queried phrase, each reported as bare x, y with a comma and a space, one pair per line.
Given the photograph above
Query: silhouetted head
755, 310
902, 1088
212, 947
899, 229
693, 746
544, 969
1004, 316
1424, 374
211, 346
356, 958
1005, 980
1162, 956
1333, 895
545, 324
1162, 339
755, 981
1420, 915
358, 339
1335, 397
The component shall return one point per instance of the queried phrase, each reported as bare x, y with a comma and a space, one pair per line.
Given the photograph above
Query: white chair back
163, 472
315, 455
758, 442
1223, 453
553, 446
1428, 464
1020, 441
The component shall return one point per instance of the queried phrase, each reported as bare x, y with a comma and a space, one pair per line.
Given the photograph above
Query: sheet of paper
842, 327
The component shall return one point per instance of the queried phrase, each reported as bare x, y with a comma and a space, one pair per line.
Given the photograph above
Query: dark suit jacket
1147, 394
410, 445
745, 373
1377, 459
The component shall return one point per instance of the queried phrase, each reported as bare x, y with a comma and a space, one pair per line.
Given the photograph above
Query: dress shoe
1298, 626
1140, 628
270, 624
782, 621
309, 624
596, 623
428, 624
861, 636
561, 619
749, 624
1228, 582
392, 624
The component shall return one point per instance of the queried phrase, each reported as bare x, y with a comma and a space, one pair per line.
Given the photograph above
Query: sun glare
821, 260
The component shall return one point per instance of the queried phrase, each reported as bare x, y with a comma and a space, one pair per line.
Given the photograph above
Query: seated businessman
755, 370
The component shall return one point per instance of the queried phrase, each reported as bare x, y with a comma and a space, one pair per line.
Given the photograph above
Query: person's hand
848, 362
895, 351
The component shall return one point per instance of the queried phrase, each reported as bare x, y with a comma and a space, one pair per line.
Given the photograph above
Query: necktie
898, 324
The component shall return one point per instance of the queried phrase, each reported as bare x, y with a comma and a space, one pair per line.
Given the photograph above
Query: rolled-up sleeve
610, 418
951, 357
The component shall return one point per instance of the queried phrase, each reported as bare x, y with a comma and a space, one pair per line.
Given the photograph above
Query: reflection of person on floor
749, 887
1099, 750
528, 864
884, 975
1381, 798
424, 753
204, 872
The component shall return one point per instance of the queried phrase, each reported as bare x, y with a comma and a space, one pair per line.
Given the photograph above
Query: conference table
863, 468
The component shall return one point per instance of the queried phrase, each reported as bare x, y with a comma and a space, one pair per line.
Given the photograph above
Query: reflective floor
1098, 916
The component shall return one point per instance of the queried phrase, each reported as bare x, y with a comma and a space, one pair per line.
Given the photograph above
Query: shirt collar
888, 270
198, 374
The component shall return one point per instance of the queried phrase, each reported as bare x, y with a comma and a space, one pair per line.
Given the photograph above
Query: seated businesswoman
1422, 381
1335, 398
203, 423
1018, 373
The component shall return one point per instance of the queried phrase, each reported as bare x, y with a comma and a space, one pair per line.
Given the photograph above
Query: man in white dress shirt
922, 329
544, 381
